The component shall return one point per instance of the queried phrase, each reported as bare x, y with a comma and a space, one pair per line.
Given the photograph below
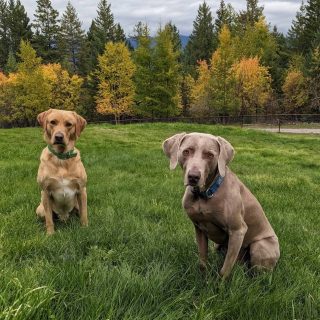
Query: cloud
158, 12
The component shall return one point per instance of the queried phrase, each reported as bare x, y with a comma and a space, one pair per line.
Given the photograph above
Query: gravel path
300, 130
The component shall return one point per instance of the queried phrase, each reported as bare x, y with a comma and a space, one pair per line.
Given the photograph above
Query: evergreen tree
281, 61
257, 40
18, 24
14, 26
312, 27
186, 85
11, 65
46, 31
157, 73
166, 73
226, 15
144, 77
304, 34
252, 15
202, 41
175, 36
4, 38
118, 33
71, 39
102, 30
314, 80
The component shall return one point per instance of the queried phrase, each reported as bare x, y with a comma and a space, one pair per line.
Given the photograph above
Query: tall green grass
138, 257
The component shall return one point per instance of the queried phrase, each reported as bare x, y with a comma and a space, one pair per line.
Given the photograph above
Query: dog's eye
53, 122
186, 152
68, 124
209, 155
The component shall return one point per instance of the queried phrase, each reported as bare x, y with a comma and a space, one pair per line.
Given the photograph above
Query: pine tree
14, 26
281, 61
186, 85
202, 41
144, 78
4, 41
175, 36
71, 39
312, 27
226, 15
118, 33
46, 31
102, 30
18, 24
304, 34
11, 65
257, 40
166, 73
295, 33
252, 15
314, 79
115, 89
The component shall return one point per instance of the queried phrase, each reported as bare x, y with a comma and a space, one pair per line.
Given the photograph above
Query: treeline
235, 63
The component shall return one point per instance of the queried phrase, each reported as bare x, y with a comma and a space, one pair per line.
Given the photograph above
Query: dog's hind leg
264, 254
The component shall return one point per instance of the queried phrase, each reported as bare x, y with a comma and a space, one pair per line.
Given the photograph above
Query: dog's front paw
203, 267
224, 273
50, 231
84, 222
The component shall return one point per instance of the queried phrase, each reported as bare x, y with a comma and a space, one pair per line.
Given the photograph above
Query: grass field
138, 257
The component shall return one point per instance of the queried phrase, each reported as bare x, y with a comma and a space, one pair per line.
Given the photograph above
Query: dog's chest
204, 212
64, 190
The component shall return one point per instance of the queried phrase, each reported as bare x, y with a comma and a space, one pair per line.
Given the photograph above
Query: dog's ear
80, 124
171, 147
42, 117
225, 156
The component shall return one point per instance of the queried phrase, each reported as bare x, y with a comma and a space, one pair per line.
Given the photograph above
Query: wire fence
274, 121
269, 121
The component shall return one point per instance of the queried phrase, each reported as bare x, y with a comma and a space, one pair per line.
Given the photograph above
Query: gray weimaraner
220, 206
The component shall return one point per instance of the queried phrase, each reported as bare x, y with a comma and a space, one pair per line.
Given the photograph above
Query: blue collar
211, 190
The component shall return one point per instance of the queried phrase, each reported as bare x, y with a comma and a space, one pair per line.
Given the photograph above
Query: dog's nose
194, 177
59, 137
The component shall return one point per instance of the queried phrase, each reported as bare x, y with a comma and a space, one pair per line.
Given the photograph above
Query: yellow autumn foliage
115, 88
252, 84
295, 91
65, 89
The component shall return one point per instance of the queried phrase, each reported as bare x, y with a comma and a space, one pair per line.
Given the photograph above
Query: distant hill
184, 41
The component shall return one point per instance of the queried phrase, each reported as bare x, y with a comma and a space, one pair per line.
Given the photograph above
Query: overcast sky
180, 12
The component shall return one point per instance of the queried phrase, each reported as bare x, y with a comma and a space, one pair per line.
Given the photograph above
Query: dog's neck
62, 152
212, 185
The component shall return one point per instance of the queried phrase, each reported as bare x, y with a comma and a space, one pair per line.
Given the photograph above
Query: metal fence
267, 120
273, 121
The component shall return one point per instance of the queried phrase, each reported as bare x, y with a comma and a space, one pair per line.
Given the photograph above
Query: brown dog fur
63, 182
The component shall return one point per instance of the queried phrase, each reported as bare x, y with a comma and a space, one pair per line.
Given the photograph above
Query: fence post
279, 126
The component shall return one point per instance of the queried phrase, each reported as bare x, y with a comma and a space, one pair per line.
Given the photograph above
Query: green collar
62, 155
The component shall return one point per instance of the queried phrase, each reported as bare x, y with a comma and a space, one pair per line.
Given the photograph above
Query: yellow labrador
221, 207
61, 174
